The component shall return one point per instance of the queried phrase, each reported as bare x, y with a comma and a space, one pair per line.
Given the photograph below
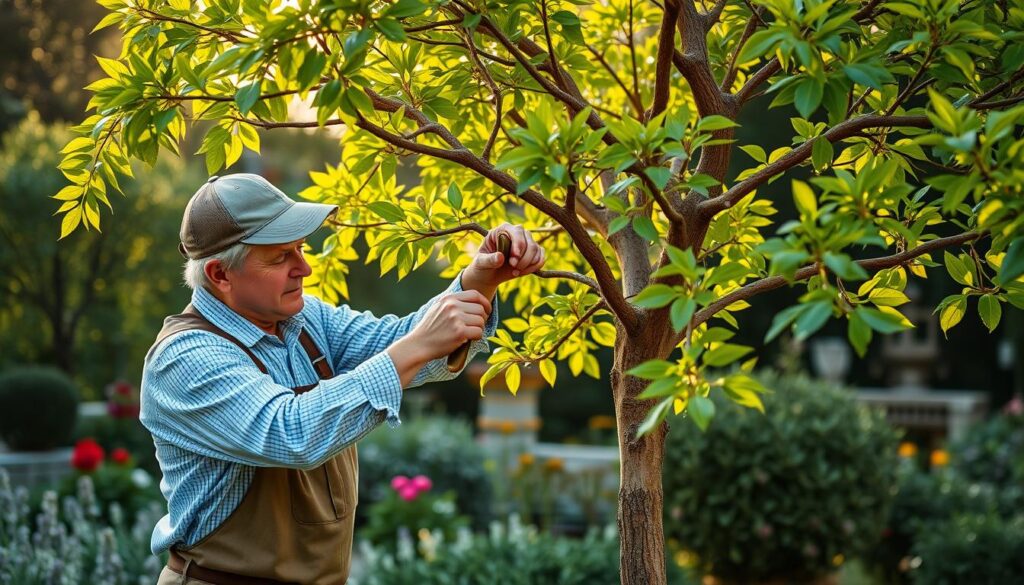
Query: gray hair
232, 259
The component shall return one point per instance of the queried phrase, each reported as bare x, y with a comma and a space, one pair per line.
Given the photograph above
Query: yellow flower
907, 450
601, 422
940, 458
554, 465
526, 459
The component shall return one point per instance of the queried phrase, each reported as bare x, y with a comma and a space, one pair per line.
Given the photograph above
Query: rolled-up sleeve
204, 394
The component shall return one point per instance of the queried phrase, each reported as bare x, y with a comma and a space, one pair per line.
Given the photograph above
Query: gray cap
245, 208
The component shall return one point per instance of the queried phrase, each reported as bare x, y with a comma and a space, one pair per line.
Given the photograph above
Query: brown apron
292, 525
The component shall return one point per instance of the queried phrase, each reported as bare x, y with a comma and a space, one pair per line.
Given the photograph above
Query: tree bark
642, 547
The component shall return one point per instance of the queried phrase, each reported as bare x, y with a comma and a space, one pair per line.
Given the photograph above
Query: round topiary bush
38, 408
787, 495
441, 448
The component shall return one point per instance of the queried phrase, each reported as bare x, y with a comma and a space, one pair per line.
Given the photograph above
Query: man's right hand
447, 324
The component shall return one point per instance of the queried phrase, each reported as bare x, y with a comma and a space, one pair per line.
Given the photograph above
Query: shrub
69, 542
993, 453
788, 494
440, 448
923, 501
505, 556
38, 407
981, 549
410, 506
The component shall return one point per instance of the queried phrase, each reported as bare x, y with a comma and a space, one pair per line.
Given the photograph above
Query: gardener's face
268, 287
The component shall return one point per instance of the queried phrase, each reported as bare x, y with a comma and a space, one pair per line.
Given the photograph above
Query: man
255, 395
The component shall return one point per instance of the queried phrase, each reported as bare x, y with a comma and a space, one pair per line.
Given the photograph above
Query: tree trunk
642, 546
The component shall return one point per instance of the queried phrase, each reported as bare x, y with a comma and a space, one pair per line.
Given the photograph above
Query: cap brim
296, 223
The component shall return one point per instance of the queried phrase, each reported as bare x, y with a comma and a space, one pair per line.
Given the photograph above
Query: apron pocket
312, 498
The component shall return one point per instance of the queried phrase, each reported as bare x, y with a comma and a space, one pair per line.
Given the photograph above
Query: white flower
141, 479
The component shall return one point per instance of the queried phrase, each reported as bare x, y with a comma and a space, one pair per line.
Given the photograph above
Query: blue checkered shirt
215, 417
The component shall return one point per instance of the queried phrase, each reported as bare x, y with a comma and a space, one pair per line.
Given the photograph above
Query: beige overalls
292, 526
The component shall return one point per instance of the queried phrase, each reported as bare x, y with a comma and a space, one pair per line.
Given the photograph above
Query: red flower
120, 456
87, 455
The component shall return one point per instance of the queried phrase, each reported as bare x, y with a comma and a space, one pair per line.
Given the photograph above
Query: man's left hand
489, 268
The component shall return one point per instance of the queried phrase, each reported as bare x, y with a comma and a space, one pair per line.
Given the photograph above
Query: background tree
608, 128
89, 304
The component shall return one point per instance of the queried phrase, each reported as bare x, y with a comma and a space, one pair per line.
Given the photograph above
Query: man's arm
202, 393
355, 336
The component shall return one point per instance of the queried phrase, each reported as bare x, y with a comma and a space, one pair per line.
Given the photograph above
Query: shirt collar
239, 327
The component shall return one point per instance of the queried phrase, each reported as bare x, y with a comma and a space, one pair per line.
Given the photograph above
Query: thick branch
871, 264
663, 68
711, 207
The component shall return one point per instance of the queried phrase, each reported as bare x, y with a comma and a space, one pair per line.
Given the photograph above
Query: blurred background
858, 467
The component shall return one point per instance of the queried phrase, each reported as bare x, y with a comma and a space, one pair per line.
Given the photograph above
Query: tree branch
581, 278
663, 67
711, 207
156, 16
872, 264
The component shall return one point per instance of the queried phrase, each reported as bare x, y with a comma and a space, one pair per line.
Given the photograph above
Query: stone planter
505, 418
34, 468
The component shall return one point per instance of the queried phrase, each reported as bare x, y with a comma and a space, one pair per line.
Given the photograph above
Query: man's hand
490, 268
447, 324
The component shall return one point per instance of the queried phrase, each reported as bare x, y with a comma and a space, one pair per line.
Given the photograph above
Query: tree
85, 303
609, 127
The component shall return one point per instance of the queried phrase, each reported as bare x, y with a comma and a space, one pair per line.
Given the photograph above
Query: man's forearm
470, 281
408, 359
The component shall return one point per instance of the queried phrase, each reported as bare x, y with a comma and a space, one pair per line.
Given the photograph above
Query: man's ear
217, 275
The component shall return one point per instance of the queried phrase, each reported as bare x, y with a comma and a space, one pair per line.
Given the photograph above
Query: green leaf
958, 270
945, 115
952, 313
390, 28
715, 122
651, 369
821, 153
389, 211
807, 96
725, 354
782, 320
990, 311
812, 319
844, 267
682, 310
405, 8
455, 196
1013, 263
859, 333
617, 224
659, 388
246, 96
660, 175
656, 296
887, 297
806, 202
702, 410
881, 322
655, 417
756, 152
645, 228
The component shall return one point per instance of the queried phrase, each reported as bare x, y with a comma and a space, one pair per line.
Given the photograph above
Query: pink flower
422, 483
408, 493
1015, 406
398, 482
